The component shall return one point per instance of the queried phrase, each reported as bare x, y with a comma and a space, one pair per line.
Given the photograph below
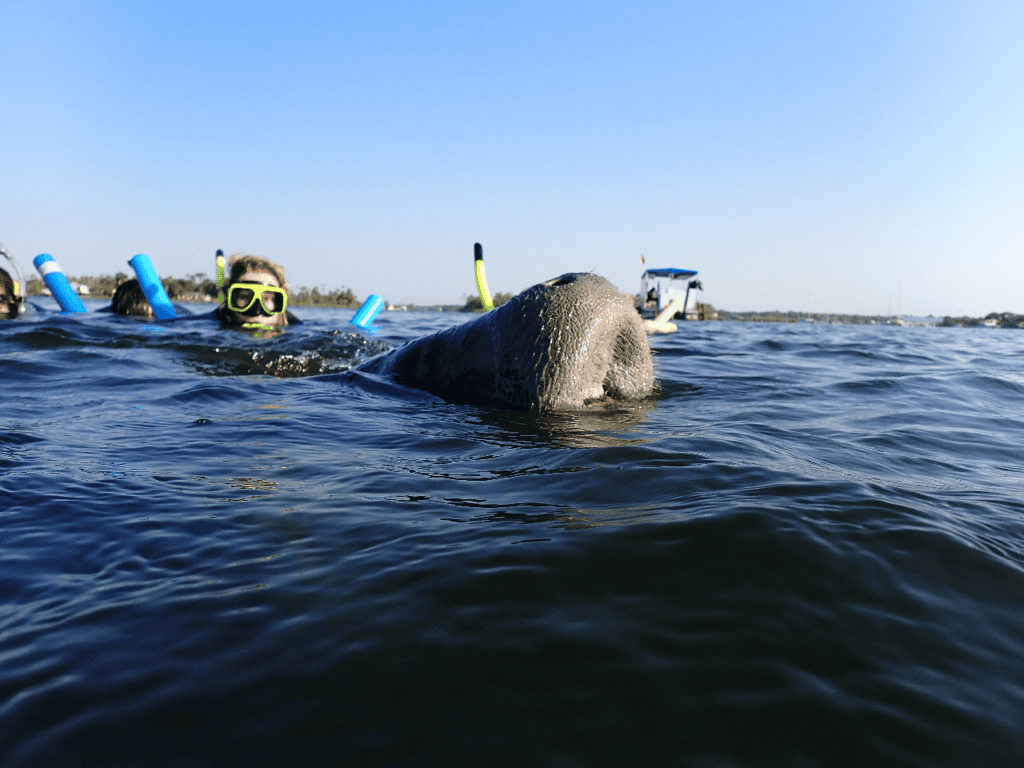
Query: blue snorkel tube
58, 284
152, 287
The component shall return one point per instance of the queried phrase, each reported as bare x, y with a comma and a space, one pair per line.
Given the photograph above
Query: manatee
556, 346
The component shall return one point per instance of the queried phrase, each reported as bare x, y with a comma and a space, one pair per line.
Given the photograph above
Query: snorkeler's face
249, 307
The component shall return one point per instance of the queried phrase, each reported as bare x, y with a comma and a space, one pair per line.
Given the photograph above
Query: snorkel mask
10, 266
242, 297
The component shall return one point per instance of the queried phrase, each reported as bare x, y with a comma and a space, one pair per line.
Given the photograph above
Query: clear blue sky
832, 157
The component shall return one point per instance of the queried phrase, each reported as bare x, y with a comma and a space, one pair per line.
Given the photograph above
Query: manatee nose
563, 280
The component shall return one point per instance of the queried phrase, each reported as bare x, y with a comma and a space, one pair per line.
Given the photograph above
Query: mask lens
241, 298
271, 301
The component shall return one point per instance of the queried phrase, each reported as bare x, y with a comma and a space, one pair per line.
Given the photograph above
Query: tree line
474, 304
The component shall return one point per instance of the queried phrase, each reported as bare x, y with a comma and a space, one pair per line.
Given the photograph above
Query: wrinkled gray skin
555, 346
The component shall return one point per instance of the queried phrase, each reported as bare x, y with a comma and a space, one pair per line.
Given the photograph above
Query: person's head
10, 302
255, 293
12, 286
129, 299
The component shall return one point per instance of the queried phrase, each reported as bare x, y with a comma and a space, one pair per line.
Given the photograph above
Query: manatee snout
555, 346
567, 279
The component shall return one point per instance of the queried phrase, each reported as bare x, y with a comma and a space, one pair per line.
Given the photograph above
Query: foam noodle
58, 283
152, 287
367, 312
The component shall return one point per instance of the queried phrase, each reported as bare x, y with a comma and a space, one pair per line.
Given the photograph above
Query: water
220, 551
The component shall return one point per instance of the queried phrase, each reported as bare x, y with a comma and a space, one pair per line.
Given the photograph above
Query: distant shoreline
200, 289
991, 320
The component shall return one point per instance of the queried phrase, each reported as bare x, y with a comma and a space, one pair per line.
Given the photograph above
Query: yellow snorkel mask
242, 297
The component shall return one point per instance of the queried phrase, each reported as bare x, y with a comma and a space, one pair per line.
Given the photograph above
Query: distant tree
705, 311
101, 286
473, 303
343, 297
176, 287
959, 322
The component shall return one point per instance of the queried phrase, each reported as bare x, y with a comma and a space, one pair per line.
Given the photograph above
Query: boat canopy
675, 274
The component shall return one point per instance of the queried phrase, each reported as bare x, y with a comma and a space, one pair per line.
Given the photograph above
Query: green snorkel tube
481, 278
222, 300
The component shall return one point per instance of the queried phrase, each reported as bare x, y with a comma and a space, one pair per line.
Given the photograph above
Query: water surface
220, 550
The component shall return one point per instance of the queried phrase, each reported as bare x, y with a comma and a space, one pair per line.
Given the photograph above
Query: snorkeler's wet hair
239, 264
130, 299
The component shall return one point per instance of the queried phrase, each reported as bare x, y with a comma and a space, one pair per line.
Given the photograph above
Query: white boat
664, 295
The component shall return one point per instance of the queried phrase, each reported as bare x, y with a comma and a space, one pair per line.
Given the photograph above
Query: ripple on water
216, 550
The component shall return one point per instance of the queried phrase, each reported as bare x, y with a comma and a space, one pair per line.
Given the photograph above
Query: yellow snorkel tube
481, 278
222, 300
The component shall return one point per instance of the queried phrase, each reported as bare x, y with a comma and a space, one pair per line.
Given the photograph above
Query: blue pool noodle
368, 311
58, 283
152, 287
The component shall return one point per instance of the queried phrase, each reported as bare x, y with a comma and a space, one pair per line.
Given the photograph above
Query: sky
848, 157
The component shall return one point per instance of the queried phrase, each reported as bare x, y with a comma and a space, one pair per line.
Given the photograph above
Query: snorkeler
12, 287
130, 299
10, 303
255, 293
142, 296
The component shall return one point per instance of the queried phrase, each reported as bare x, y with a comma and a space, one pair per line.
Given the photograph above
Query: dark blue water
219, 551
